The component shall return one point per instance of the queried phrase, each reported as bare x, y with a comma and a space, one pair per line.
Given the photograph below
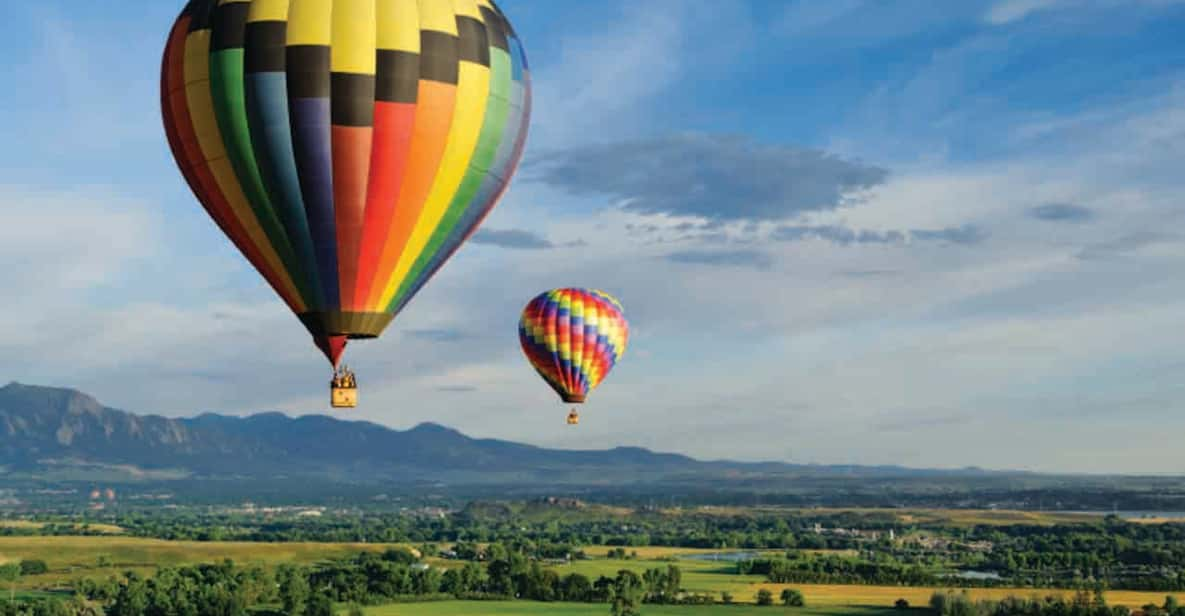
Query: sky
852, 231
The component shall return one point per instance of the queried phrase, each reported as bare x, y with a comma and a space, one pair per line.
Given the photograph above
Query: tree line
1083, 603
369, 578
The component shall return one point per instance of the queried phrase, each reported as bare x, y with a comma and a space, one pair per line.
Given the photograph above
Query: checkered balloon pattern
573, 338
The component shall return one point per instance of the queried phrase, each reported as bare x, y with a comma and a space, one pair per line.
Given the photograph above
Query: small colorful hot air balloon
573, 338
346, 147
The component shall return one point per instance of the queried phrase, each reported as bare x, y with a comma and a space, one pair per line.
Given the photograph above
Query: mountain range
55, 436
43, 427
66, 434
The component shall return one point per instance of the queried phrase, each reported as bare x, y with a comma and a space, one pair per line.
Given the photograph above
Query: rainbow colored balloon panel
346, 147
573, 338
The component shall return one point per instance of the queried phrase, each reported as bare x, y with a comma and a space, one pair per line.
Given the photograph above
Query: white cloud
803, 16
1008, 11
60, 242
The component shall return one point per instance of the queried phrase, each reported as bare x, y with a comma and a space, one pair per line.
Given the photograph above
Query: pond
971, 574
731, 557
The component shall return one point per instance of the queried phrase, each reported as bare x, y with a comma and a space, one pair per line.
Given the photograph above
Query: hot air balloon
346, 148
573, 338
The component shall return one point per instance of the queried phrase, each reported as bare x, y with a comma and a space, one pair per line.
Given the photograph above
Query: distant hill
52, 438
42, 427
44, 430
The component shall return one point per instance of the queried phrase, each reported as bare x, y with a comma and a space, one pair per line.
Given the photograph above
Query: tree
950, 604
472, 577
132, 599
218, 599
319, 605
256, 585
765, 597
672, 583
938, 602
400, 555
602, 589
501, 581
793, 598
652, 582
10, 573
33, 567
294, 590
626, 594
467, 551
424, 582
452, 584
540, 584
355, 610
1099, 601
576, 587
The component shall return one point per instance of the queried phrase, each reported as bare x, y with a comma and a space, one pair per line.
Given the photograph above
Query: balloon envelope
347, 148
573, 338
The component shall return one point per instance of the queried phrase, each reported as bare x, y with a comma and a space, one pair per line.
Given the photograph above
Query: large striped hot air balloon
346, 147
573, 338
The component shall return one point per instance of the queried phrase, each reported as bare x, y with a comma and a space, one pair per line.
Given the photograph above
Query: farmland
74, 558
715, 578
563, 557
28, 525
490, 608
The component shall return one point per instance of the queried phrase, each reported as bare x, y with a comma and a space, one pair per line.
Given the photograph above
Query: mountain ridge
38, 423
42, 426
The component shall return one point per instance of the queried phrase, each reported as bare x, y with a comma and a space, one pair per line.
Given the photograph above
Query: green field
698, 576
71, 558
527, 608
709, 577
132, 551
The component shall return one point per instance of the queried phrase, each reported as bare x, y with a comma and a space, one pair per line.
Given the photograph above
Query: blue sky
844, 232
